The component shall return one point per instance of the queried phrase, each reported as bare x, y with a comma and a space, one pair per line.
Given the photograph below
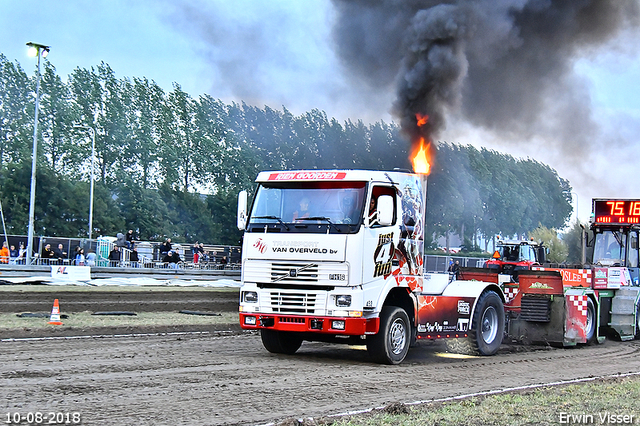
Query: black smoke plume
503, 65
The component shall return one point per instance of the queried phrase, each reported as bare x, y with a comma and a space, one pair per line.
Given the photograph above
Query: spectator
130, 237
80, 257
171, 259
60, 254
165, 248
13, 254
454, 268
196, 252
120, 241
175, 257
223, 262
166, 258
90, 258
133, 258
47, 254
114, 256
4, 253
21, 254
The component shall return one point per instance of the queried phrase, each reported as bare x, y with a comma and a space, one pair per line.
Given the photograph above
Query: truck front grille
292, 303
292, 272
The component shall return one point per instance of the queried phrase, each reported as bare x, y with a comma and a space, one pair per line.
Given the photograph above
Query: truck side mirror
242, 210
385, 210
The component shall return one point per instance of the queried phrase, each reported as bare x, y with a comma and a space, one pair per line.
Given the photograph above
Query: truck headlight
337, 324
250, 296
343, 300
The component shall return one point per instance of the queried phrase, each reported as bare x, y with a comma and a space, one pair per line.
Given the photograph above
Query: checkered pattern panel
510, 293
586, 274
580, 302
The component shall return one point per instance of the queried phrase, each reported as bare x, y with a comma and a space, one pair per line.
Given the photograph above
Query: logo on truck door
383, 255
260, 245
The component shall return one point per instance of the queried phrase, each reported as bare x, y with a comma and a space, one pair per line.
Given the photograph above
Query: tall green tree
144, 122
58, 114
557, 248
16, 113
574, 241
182, 152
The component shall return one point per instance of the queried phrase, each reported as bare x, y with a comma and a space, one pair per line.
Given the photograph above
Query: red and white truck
337, 256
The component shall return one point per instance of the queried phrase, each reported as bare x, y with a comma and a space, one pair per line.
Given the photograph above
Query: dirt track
227, 378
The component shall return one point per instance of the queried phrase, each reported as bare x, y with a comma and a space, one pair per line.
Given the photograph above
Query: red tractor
512, 257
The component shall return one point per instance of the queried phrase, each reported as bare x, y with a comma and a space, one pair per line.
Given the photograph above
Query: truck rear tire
391, 344
487, 328
280, 342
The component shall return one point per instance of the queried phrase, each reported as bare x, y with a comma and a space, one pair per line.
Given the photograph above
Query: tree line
171, 165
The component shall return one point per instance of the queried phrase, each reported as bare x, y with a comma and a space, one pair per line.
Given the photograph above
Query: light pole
38, 50
93, 156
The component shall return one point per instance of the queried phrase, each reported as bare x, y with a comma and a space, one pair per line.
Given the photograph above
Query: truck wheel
487, 328
391, 344
590, 328
488, 324
280, 342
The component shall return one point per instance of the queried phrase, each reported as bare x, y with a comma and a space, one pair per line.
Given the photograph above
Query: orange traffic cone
55, 314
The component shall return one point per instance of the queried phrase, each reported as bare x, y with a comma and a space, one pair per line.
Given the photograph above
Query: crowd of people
168, 256
10, 255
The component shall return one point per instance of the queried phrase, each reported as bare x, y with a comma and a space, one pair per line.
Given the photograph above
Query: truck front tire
280, 342
391, 344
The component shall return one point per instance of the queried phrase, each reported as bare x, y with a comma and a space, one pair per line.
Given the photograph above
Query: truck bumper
310, 324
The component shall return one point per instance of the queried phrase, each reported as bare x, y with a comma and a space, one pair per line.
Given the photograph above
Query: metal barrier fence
217, 257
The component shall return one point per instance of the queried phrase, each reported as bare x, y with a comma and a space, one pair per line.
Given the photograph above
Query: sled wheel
590, 328
638, 319
391, 344
280, 342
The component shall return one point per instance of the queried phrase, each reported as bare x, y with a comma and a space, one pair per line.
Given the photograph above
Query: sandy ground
226, 377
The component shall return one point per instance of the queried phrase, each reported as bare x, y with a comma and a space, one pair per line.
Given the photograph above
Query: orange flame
421, 120
421, 159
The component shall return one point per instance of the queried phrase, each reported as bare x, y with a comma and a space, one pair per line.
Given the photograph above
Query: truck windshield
328, 204
609, 248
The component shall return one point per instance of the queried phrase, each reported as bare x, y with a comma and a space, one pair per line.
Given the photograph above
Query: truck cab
337, 256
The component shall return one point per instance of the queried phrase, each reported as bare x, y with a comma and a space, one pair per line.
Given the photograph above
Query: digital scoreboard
616, 212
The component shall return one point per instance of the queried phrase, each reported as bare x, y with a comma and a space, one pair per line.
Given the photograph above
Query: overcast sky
283, 53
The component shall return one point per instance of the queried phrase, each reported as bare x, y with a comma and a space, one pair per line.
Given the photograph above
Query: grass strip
604, 401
